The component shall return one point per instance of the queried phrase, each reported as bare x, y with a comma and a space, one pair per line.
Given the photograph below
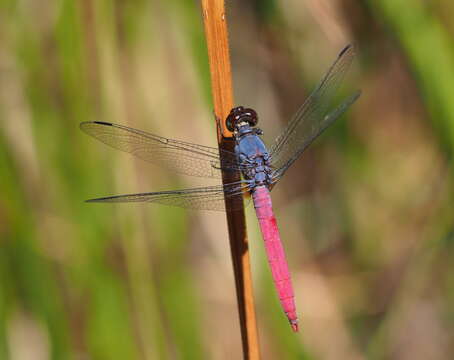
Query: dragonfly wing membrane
179, 156
203, 198
314, 116
324, 124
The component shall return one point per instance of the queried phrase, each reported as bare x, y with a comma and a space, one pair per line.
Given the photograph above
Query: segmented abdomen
275, 252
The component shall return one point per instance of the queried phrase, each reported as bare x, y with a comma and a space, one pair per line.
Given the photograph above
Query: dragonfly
259, 167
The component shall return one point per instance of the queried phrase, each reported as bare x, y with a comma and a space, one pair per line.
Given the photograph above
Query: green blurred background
366, 214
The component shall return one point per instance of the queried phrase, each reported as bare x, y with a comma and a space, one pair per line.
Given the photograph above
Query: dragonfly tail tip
294, 325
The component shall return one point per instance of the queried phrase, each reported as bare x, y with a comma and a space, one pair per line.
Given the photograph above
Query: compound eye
252, 117
240, 114
230, 124
231, 120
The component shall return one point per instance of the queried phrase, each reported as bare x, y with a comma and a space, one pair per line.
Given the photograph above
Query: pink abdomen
275, 252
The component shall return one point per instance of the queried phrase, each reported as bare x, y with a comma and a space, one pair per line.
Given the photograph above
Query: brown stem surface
221, 83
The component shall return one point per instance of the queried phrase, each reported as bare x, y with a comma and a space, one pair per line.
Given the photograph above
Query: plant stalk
216, 34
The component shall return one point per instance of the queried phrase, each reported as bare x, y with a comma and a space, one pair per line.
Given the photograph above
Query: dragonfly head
240, 117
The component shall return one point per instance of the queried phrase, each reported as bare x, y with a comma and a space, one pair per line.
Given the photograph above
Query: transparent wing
203, 198
314, 116
179, 156
324, 124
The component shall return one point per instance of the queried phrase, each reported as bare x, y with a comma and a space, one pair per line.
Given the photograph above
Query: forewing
179, 156
203, 198
326, 122
314, 116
